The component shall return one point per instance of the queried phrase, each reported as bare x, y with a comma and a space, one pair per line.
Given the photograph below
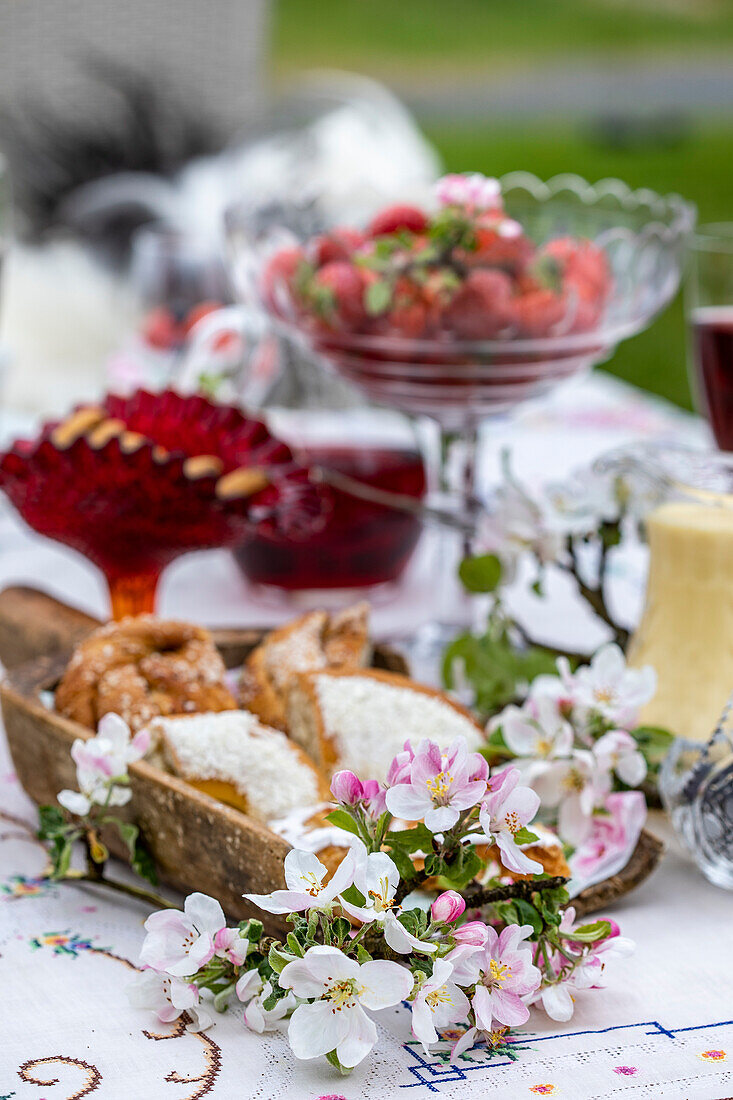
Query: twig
121, 888
524, 889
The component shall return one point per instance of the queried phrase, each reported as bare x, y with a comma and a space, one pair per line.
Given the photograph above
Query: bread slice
360, 720
316, 640
235, 759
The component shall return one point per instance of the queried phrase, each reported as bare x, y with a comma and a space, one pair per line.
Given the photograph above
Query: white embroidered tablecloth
663, 1028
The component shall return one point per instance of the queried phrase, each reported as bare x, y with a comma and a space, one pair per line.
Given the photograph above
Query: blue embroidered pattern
431, 1073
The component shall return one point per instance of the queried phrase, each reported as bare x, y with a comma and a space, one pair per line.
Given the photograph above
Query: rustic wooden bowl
197, 842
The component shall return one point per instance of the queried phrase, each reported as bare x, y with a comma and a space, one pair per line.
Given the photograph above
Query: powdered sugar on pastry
268, 771
369, 720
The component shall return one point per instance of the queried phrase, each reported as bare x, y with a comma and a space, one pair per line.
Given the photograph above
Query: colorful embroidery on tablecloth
626, 1071
713, 1055
543, 1090
63, 943
22, 886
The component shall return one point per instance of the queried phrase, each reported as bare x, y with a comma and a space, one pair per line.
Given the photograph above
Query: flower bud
400, 769
448, 907
375, 799
346, 788
615, 928
473, 932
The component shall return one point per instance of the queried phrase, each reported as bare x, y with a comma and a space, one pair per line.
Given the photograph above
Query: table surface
662, 1028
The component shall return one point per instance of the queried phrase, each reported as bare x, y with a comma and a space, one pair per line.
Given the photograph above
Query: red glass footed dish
134, 482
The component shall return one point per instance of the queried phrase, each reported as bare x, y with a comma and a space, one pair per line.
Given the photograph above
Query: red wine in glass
712, 347
363, 544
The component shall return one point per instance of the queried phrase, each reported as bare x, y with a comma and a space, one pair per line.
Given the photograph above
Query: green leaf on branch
295, 945
61, 851
481, 573
402, 862
251, 929
417, 839
142, 862
51, 822
129, 834
279, 959
496, 668
589, 933
461, 870
332, 1057
653, 743
343, 820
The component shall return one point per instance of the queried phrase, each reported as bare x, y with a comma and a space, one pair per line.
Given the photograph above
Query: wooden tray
196, 842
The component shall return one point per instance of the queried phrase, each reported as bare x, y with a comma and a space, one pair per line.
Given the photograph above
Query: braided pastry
143, 668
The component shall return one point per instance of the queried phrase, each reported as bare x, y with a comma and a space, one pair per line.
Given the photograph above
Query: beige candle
686, 631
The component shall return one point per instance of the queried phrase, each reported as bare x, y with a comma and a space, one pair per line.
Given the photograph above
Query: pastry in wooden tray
235, 759
316, 640
141, 668
361, 720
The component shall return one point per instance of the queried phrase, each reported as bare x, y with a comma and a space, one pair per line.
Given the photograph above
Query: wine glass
458, 384
709, 294
5, 218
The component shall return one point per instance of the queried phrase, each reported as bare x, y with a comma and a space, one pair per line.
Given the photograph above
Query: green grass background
424, 40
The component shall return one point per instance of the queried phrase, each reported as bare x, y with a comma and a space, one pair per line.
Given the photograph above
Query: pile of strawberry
463, 272
165, 330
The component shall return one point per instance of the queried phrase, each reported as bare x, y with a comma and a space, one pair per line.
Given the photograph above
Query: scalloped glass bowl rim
595, 341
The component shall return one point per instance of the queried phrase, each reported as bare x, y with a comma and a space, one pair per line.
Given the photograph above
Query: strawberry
584, 267
161, 330
395, 218
536, 312
340, 286
336, 245
495, 250
481, 308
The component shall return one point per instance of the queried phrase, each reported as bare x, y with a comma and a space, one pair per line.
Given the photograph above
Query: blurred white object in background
340, 144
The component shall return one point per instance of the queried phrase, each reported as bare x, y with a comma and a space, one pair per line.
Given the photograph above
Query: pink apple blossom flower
613, 836
618, 751
181, 943
168, 997
442, 783
229, 944
346, 788
401, 766
101, 766
507, 809
472, 933
375, 799
339, 990
448, 907
504, 975
470, 189
438, 1002
304, 875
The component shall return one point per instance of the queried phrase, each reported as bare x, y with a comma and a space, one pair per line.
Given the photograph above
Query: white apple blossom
101, 766
618, 751
229, 944
536, 729
181, 943
377, 878
304, 875
340, 989
438, 1002
248, 986
261, 1019
611, 689
575, 785
168, 997
516, 524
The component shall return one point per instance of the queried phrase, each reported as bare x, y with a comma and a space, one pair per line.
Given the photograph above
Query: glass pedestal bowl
459, 383
137, 481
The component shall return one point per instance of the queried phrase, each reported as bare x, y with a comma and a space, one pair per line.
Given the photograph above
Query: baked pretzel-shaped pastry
143, 668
